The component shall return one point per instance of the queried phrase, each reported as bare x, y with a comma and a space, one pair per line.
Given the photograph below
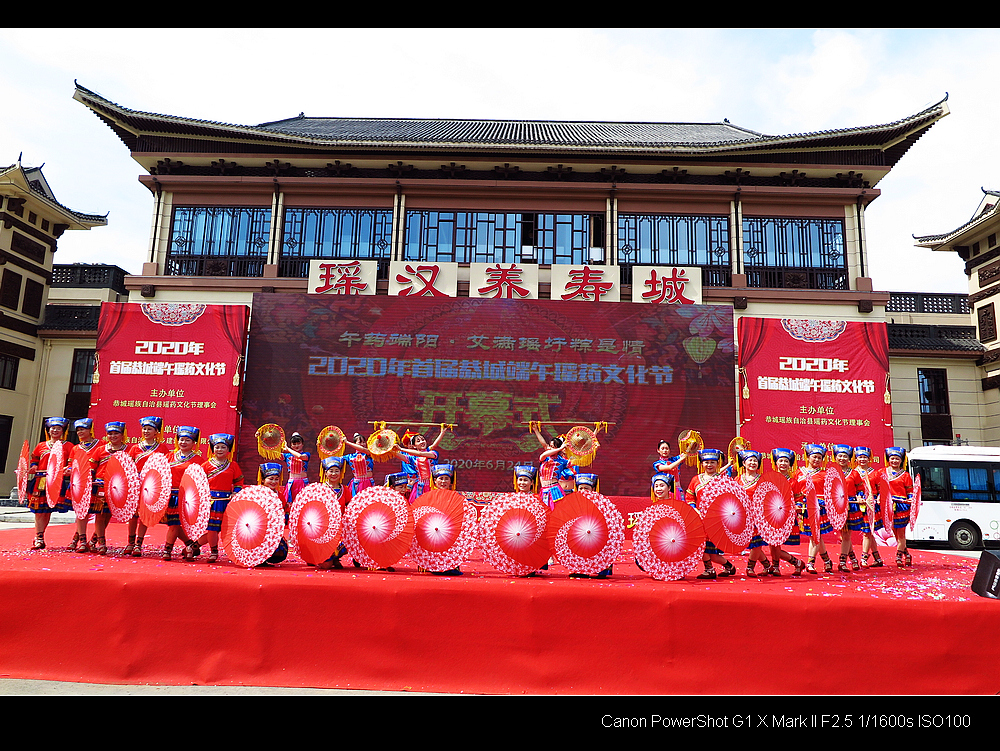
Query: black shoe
449, 572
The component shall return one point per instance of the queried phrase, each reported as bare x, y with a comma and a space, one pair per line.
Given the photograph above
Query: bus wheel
963, 536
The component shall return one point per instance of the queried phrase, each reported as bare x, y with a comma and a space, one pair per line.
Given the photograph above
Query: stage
115, 620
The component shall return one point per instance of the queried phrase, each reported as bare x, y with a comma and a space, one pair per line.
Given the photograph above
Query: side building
32, 223
975, 242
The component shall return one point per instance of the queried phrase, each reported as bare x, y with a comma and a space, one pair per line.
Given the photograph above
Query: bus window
970, 484
934, 483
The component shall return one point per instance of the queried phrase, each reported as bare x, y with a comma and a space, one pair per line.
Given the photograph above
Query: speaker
986, 582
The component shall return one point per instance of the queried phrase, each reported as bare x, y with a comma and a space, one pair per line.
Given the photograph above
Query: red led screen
489, 366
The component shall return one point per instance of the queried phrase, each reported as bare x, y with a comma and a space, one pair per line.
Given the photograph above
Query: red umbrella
512, 534
586, 532
444, 531
812, 510
194, 501
835, 493
81, 487
154, 490
777, 518
23, 463
314, 522
121, 486
252, 526
885, 499
55, 467
727, 522
378, 527
668, 540
915, 506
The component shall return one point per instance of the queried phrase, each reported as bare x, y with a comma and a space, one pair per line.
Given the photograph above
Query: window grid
471, 237
218, 241
799, 253
8, 372
82, 375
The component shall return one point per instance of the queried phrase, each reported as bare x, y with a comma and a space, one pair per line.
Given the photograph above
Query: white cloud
773, 81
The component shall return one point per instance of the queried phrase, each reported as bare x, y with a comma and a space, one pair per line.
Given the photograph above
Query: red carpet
82, 617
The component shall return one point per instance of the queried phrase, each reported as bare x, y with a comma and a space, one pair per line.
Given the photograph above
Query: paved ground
17, 687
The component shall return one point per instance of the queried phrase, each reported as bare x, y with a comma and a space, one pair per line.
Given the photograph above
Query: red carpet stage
82, 617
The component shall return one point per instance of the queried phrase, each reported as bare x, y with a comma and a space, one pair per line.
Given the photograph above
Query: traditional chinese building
975, 242
658, 213
33, 222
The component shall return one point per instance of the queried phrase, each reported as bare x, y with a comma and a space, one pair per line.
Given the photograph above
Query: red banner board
490, 366
804, 381
178, 361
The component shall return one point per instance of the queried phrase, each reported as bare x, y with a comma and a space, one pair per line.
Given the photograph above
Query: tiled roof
904, 336
36, 182
526, 135
71, 317
977, 219
509, 132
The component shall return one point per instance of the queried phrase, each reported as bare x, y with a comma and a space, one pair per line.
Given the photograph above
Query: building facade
32, 223
975, 242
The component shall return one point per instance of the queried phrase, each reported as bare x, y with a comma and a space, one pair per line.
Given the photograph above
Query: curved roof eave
883, 136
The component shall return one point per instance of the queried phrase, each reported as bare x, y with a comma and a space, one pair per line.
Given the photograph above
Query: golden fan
739, 443
330, 442
689, 443
270, 441
581, 445
382, 444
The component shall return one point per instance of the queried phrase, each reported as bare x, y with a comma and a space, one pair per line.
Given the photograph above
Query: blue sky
774, 81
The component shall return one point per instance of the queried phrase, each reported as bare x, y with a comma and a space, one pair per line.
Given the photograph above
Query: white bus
960, 498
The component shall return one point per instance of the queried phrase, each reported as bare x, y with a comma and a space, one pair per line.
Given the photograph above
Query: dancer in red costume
668, 465
423, 457
224, 480
525, 476
864, 479
844, 456
55, 430
140, 452
553, 464
181, 458
114, 441
708, 470
269, 475
296, 460
813, 474
361, 464
783, 461
84, 451
331, 473
901, 489
748, 463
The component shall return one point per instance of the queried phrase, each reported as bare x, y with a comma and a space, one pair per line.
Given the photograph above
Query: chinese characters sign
342, 277
490, 365
421, 279
585, 283
177, 361
666, 285
506, 281
804, 381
